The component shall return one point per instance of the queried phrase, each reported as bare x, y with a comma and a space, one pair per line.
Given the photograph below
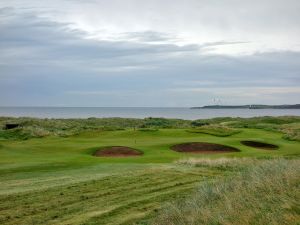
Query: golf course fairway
59, 180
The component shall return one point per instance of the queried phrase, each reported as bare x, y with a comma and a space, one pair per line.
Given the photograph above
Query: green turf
56, 180
219, 131
77, 150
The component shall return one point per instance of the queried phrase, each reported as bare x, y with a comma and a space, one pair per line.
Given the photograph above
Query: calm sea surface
139, 112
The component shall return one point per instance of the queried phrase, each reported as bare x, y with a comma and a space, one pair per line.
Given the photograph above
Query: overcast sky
149, 53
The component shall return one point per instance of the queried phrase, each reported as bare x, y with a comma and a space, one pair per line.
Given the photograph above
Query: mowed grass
115, 199
56, 180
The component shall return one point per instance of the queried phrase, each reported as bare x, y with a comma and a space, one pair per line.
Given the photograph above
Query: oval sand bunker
203, 147
257, 144
117, 151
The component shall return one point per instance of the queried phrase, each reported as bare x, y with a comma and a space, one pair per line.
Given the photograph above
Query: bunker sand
262, 145
117, 151
203, 147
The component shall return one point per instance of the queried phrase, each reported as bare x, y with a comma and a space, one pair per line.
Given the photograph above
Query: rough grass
36, 128
291, 131
220, 163
288, 125
227, 126
267, 193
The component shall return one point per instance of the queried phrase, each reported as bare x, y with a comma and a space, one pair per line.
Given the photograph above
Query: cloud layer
137, 53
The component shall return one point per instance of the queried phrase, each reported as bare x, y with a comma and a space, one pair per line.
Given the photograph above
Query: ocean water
140, 112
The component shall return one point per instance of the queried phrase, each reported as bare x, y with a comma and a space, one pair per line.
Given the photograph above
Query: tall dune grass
221, 127
267, 193
220, 163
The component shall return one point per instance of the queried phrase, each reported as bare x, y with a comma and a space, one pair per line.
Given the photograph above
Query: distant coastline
296, 106
141, 112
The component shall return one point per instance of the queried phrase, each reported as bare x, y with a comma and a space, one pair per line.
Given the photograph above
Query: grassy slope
216, 130
55, 180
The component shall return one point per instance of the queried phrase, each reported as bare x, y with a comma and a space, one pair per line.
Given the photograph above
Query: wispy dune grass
222, 163
268, 193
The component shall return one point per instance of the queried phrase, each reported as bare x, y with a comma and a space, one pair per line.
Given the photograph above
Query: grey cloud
53, 41
43, 61
150, 36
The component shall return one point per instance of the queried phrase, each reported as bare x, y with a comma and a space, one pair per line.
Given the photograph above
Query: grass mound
262, 145
216, 130
288, 125
148, 129
203, 147
117, 151
267, 193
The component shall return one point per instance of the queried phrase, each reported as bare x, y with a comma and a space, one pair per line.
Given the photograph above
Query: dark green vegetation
296, 106
49, 175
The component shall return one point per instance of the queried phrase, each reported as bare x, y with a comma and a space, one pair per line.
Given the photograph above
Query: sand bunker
117, 151
203, 147
257, 144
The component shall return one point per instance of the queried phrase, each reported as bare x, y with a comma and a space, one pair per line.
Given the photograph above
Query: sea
140, 112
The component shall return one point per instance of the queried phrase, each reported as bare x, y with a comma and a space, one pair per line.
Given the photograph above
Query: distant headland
296, 106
